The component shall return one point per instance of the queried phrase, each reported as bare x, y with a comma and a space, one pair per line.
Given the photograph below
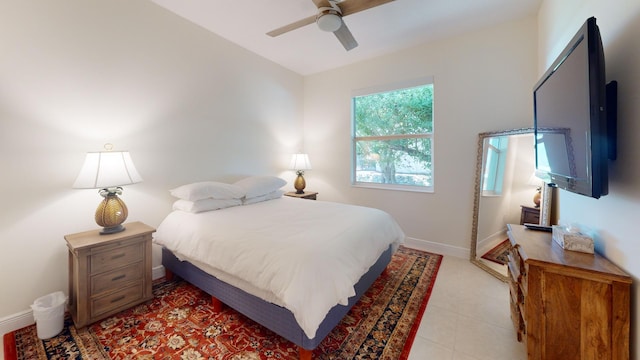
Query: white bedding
303, 255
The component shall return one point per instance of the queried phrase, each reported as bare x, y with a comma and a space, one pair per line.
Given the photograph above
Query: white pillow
260, 185
207, 190
205, 204
270, 196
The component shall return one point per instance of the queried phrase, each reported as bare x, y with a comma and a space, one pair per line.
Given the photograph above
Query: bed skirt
274, 317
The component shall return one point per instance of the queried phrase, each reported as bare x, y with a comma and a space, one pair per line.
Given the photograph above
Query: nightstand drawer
116, 257
529, 215
116, 300
115, 279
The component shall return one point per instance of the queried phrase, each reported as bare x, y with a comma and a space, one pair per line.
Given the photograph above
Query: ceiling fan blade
346, 38
349, 7
321, 3
292, 26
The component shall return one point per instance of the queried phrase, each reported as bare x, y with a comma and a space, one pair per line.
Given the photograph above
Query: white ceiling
385, 29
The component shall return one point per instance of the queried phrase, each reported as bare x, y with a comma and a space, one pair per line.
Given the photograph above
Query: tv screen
570, 117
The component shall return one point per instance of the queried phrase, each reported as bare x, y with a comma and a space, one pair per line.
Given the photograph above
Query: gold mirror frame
473, 257
548, 211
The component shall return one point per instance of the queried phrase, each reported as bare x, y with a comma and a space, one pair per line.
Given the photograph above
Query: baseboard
157, 272
438, 248
25, 318
16, 321
491, 241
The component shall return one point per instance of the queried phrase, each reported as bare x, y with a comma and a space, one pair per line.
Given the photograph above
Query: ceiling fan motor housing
328, 19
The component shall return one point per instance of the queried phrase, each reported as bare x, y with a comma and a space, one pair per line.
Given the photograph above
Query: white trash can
48, 311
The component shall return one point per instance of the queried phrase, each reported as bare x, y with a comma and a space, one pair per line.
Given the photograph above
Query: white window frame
495, 159
418, 82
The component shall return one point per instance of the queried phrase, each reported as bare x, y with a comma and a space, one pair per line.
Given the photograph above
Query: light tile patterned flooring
467, 317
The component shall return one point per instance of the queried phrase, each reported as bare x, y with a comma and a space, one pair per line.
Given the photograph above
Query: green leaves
401, 112
393, 133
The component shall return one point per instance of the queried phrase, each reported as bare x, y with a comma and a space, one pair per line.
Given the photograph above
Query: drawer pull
117, 299
117, 256
119, 277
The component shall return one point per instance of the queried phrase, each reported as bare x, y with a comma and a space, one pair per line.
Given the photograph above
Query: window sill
409, 188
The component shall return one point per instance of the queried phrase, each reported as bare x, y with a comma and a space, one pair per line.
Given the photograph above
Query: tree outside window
393, 139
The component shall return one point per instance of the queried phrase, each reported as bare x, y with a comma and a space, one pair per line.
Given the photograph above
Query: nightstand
108, 273
529, 215
305, 195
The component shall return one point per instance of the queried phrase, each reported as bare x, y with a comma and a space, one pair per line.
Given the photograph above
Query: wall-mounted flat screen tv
574, 117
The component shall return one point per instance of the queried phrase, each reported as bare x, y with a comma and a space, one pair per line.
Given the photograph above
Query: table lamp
538, 183
300, 163
108, 171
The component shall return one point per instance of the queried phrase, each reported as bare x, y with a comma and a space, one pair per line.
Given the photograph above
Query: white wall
483, 82
75, 74
523, 167
495, 212
614, 217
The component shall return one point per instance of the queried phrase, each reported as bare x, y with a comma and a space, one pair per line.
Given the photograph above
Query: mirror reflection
506, 192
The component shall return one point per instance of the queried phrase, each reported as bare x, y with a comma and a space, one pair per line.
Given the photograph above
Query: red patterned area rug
498, 254
179, 323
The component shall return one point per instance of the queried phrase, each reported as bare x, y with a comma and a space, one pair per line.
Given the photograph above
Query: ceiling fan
329, 18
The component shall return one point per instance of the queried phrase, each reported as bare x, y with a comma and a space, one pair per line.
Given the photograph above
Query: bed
314, 260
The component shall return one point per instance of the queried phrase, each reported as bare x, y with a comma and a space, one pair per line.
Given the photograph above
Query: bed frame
274, 317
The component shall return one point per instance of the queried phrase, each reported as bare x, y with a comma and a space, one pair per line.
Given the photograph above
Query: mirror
504, 192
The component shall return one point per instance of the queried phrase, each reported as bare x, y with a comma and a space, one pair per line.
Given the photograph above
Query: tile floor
467, 317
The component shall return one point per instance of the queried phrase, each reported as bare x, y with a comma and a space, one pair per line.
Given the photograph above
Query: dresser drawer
514, 269
116, 279
516, 258
524, 281
518, 321
115, 301
114, 257
516, 292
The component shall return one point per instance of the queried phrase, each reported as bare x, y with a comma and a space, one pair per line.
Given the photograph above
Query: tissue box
570, 240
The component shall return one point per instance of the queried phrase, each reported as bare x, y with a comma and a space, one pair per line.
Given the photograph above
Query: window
493, 173
393, 137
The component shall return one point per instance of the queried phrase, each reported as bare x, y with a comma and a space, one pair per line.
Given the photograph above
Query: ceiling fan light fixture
329, 22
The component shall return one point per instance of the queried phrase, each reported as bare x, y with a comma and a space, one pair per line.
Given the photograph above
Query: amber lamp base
299, 183
111, 213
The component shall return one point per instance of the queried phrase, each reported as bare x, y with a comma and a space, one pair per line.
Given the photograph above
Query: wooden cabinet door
575, 317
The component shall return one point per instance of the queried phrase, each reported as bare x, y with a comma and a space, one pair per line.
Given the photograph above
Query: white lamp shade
300, 162
107, 169
538, 177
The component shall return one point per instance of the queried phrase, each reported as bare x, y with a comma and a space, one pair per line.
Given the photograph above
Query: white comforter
300, 254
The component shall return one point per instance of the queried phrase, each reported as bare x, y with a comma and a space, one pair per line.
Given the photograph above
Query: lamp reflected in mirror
538, 183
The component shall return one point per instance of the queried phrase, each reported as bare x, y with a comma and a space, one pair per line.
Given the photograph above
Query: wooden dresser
565, 304
108, 273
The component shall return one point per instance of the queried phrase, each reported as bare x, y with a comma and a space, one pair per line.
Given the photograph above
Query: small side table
310, 195
108, 273
529, 215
